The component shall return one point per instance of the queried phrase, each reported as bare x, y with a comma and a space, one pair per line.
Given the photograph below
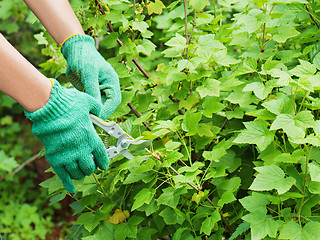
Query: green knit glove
64, 127
88, 71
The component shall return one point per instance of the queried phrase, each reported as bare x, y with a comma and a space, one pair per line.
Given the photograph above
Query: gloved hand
64, 127
88, 71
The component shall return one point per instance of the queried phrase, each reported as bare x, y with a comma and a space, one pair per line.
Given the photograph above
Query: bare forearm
57, 17
20, 80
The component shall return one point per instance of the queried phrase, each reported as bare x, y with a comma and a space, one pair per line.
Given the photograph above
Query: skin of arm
21, 80
57, 17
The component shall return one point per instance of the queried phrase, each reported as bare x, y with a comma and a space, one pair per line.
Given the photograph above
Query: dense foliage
231, 95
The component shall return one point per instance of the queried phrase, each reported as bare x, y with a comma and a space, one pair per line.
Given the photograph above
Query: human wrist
57, 105
35, 95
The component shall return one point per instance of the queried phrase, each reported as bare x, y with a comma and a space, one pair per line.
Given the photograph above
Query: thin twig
193, 27
30, 160
18, 169
138, 115
312, 18
186, 27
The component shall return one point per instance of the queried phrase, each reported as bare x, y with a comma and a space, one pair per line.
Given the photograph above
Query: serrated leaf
190, 122
314, 170
292, 231
284, 33
208, 224
271, 177
243, 227
255, 202
281, 105
199, 5
140, 26
212, 105
304, 69
171, 217
91, 220
256, 132
170, 197
262, 225
143, 197
294, 125
211, 87
227, 197
249, 65
259, 89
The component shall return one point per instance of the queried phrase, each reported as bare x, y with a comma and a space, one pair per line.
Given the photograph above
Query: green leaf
316, 61
215, 154
271, 177
284, 77
141, 119
314, 170
292, 231
294, 125
284, 33
281, 105
171, 217
128, 229
199, 5
227, 197
262, 225
143, 197
104, 231
209, 88
227, 3
7, 164
256, 132
212, 105
140, 26
189, 102
172, 158
255, 202
207, 45
178, 42
41, 39
243, 227
249, 65
146, 47
190, 122
259, 89
208, 224
91, 220
170, 197
304, 69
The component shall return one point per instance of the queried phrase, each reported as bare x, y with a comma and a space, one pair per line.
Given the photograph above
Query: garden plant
227, 92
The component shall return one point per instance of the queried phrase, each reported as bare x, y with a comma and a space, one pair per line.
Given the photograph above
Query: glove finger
94, 106
91, 83
65, 178
110, 93
74, 170
87, 165
101, 156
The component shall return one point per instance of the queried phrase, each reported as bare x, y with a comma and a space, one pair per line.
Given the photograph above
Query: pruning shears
124, 142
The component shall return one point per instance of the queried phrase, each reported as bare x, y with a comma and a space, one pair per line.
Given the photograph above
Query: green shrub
232, 92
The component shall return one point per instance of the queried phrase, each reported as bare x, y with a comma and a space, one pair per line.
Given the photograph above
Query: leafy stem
102, 189
304, 98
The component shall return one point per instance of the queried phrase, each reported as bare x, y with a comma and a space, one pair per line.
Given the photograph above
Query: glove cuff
60, 101
72, 44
